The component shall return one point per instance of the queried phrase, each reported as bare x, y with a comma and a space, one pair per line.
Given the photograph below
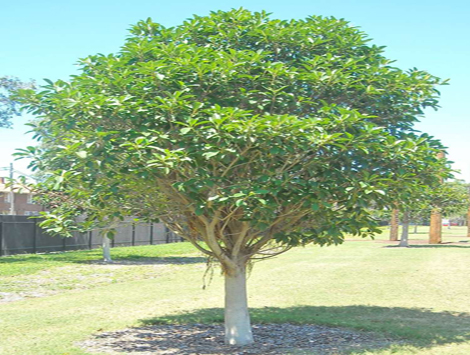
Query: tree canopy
8, 106
246, 135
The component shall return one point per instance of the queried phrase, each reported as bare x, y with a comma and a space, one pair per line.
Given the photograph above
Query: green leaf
239, 194
262, 191
239, 203
82, 154
209, 155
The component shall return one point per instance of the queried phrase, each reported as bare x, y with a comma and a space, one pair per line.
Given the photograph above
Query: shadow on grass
425, 246
421, 328
150, 261
95, 257
439, 246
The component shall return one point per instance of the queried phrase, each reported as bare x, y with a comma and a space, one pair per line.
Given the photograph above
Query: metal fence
22, 234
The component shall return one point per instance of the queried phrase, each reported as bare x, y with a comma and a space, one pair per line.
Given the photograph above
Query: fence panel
11, 230
21, 234
142, 233
77, 242
123, 237
45, 242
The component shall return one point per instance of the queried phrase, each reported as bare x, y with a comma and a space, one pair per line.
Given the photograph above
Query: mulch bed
202, 339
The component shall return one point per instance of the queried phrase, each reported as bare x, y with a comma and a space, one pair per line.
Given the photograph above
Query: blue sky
44, 39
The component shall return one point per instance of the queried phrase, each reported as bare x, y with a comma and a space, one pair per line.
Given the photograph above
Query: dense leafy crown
238, 129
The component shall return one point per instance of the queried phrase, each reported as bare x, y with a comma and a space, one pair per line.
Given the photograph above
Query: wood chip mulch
201, 339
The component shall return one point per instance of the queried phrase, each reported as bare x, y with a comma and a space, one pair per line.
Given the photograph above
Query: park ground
417, 297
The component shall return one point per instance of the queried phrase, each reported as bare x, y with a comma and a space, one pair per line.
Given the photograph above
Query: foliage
450, 198
250, 134
8, 106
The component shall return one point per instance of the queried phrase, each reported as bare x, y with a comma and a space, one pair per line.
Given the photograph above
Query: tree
67, 213
449, 199
468, 212
8, 106
468, 222
405, 230
245, 135
394, 224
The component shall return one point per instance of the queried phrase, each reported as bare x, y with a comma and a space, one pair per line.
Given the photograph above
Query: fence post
64, 245
133, 234
34, 237
1, 238
167, 235
151, 233
90, 239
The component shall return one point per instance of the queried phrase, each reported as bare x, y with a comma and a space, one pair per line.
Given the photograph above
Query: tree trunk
468, 223
435, 228
405, 228
394, 224
106, 249
416, 229
237, 318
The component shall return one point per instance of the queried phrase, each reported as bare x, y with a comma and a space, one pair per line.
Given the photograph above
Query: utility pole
12, 192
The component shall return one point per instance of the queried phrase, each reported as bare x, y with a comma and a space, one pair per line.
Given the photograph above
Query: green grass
24, 276
417, 296
32, 263
454, 234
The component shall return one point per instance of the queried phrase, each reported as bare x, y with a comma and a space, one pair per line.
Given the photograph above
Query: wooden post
394, 225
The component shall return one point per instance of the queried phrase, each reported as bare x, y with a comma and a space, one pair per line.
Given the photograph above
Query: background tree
468, 212
246, 135
394, 224
405, 229
9, 106
68, 211
449, 199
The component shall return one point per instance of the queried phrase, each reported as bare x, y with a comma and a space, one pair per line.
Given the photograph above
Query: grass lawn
419, 296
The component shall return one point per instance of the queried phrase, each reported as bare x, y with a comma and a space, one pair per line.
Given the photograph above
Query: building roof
18, 189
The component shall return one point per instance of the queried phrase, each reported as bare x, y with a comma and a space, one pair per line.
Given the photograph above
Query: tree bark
394, 225
435, 228
237, 318
106, 249
405, 229
468, 223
